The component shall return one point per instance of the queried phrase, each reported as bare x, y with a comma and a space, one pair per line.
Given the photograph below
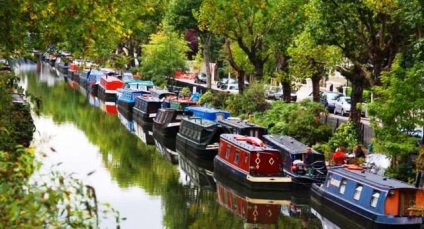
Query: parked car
343, 106
279, 95
271, 91
329, 98
201, 78
232, 88
224, 81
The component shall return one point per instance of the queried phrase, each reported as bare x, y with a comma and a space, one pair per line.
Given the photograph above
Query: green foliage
16, 124
56, 200
185, 91
299, 120
214, 99
346, 135
252, 100
164, 54
403, 171
398, 109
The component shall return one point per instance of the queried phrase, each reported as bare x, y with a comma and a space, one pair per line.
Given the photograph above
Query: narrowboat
146, 106
167, 122
257, 209
107, 92
135, 84
144, 133
294, 153
196, 172
93, 79
198, 138
165, 148
369, 200
248, 161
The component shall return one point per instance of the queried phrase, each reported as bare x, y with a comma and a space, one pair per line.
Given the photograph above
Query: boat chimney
419, 183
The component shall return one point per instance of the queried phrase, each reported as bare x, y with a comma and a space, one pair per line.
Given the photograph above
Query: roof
240, 124
287, 143
18, 98
372, 179
243, 144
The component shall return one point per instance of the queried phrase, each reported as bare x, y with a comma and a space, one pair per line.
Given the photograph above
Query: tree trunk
356, 98
315, 87
205, 39
240, 71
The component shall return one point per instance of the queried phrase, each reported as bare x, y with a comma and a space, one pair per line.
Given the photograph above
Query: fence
366, 132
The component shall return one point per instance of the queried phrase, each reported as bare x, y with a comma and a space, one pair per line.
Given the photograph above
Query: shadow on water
134, 165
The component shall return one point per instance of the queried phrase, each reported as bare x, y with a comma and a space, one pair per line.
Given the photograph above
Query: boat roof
200, 121
243, 144
110, 78
206, 110
287, 143
370, 178
160, 92
18, 98
240, 124
140, 82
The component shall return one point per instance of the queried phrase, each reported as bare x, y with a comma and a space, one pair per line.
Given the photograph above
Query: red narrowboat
246, 160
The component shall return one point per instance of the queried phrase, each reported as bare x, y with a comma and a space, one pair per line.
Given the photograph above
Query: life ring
353, 167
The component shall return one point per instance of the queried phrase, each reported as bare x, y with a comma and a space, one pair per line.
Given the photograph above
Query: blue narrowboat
294, 155
246, 160
369, 200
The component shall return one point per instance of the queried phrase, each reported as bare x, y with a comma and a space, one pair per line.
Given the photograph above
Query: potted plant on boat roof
185, 92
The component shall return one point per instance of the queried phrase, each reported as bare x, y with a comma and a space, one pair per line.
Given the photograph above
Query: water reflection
144, 133
137, 180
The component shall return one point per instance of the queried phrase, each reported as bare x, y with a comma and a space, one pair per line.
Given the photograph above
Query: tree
310, 60
369, 34
398, 109
164, 54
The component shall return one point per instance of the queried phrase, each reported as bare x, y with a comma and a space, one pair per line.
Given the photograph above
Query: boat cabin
294, 154
108, 87
181, 104
242, 127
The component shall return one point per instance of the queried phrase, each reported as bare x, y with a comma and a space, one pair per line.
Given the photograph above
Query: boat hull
142, 118
354, 216
221, 168
195, 150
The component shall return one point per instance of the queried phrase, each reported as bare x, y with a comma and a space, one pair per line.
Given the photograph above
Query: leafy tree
310, 60
398, 109
368, 33
164, 54
346, 135
299, 120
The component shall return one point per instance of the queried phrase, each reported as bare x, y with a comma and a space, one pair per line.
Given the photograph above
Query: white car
343, 105
232, 88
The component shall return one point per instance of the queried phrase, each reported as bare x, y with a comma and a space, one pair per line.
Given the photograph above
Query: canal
136, 179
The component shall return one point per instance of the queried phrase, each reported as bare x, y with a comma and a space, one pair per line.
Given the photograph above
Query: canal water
147, 189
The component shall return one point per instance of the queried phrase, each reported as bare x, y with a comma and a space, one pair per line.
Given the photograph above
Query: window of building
357, 193
374, 198
343, 186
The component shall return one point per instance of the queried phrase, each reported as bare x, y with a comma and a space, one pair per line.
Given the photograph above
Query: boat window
227, 153
343, 186
357, 193
374, 198
246, 158
237, 157
329, 180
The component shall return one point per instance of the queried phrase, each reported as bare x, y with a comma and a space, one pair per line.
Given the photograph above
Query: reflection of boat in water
93, 100
168, 153
326, 223
127, 123
144, 133
197, 172
258, 209
367, 200
248, 161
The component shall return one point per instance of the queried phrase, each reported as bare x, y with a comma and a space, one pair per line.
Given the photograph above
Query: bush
346, 135
251, 101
